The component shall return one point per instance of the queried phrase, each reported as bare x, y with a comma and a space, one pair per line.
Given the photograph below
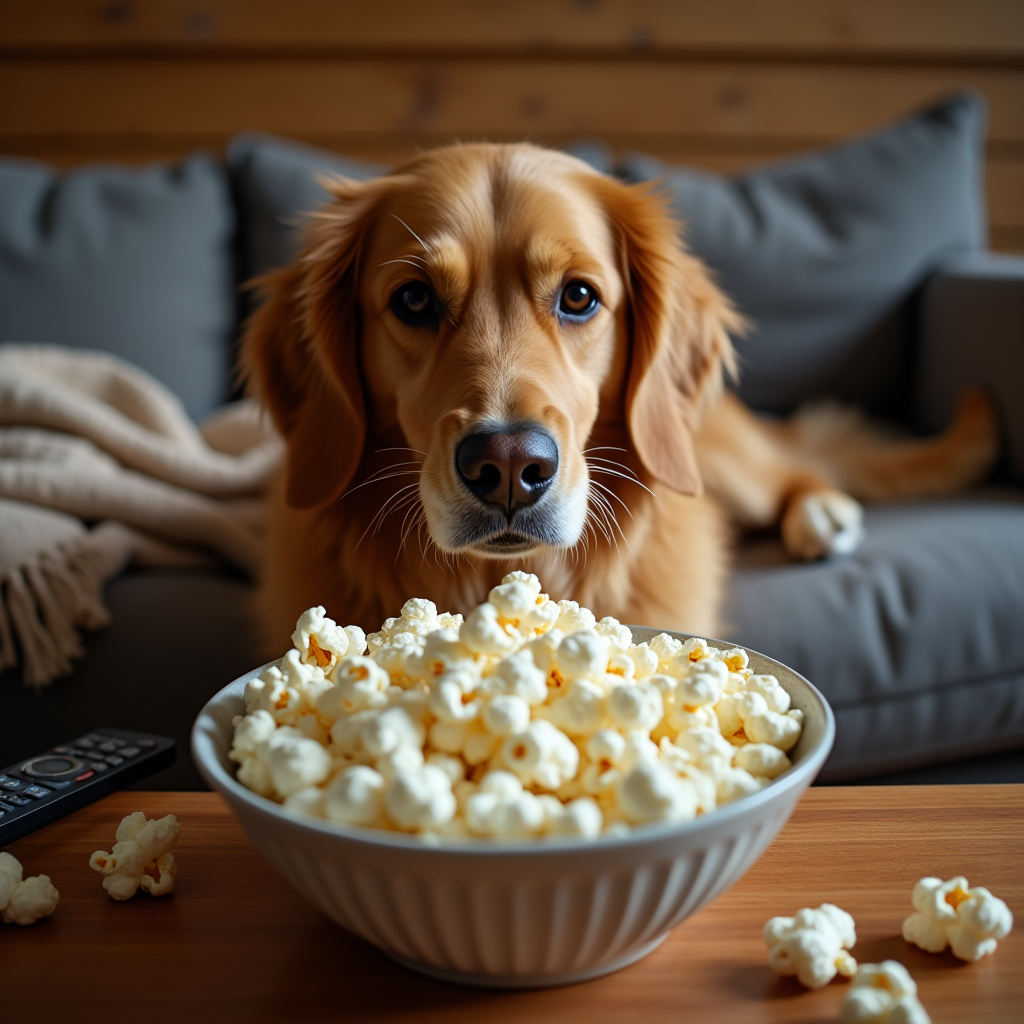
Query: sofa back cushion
825, 251
134, 262
276, 187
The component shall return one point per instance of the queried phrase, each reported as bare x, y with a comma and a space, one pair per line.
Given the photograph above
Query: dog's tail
871, 464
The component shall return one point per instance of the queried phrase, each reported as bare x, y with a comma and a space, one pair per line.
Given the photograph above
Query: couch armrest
972, 333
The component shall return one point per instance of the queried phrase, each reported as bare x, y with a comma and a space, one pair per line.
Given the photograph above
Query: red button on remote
84, 775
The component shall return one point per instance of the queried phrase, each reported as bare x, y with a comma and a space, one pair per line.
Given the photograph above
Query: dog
497, 358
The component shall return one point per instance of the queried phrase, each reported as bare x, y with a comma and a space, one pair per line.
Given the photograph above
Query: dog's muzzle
508, 469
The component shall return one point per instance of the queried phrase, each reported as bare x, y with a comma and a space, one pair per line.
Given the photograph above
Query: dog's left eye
579, 301
415, 304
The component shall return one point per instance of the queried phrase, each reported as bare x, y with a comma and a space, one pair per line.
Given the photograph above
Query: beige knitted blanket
100, 467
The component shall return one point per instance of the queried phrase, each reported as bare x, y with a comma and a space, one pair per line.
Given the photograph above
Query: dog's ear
679, 324
301, 348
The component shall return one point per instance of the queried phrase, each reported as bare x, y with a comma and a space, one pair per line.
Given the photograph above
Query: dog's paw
822, 524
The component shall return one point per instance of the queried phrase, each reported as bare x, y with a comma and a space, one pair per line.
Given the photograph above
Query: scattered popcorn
141, 856
24, 900
969, 921
883, 993
528, 718
813, 945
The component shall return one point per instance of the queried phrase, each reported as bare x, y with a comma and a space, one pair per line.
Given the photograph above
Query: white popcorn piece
420, 799
812, 945
651, 792
580, 817
483, 633
400, 656
295, 761
442, 652
735, 659
883, 993
355, 796
750, 712
319, 640
308, 800
541, 754
518, 675
24, 900
701, 682
391, 730
501, 807
582, 655
580, 711
762, 759
140, 857
574, 619
645, 660
682, 764
359, 683
617, 636
506, 715
969, 920
635, 705
666, 648
771, 689
450, 699
734, 783
521, 604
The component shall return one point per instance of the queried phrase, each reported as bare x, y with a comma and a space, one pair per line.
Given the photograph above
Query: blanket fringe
46, 603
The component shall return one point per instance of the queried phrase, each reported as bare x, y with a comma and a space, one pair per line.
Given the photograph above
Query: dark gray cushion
972, 333
915, 640
275, 185
175, 640
134, 262
823, 250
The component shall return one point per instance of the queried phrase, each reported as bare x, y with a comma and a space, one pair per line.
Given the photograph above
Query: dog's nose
508, 467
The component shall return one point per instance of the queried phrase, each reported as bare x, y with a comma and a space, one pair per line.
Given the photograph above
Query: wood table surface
235, 943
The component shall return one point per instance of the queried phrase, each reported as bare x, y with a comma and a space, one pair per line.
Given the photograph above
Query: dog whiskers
411, 232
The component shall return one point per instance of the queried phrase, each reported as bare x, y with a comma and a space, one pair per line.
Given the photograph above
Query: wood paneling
234, 942
874, 29
720, 85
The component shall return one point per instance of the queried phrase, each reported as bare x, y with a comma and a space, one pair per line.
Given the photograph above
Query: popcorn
501, 807
322, 642
650, 792
24, 900
541, 754
813, 945
420, 799
141, 856
969, 921
883, 993
526, 718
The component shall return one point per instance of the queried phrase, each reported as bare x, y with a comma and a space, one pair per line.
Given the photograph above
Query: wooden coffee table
235, 943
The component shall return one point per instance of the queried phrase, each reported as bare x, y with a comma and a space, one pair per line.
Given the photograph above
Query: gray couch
864, 267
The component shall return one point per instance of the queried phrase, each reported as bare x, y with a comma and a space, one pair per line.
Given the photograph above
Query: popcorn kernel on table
813, 945
529, 717
968, 920
24, 900
140, 857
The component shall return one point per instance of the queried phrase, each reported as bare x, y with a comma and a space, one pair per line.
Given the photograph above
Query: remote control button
54, 784
112, 759
145, 744
62, 750
129, 751
96, 737
13, 798
99, 766
37, 791
52, 766
84, 776
6, 782
85, 743
107, 748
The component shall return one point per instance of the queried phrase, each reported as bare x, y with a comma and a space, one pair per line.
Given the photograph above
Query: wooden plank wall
720, 84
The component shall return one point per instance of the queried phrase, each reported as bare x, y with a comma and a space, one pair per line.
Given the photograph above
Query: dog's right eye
415, 304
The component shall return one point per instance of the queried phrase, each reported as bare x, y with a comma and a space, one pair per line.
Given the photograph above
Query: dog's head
489, 307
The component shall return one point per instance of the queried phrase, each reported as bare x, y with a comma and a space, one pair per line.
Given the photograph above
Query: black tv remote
43, 788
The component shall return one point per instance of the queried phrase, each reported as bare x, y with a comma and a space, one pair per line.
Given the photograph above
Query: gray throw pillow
825, 251
134, 262
276, 187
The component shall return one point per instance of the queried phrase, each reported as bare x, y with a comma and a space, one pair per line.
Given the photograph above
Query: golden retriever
496, 358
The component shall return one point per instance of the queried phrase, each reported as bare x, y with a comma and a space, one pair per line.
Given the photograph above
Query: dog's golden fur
368, 509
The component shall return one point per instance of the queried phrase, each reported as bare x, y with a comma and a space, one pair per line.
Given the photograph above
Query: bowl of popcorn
526, 796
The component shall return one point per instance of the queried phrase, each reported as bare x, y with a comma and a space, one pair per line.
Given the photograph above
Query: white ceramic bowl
522, 913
